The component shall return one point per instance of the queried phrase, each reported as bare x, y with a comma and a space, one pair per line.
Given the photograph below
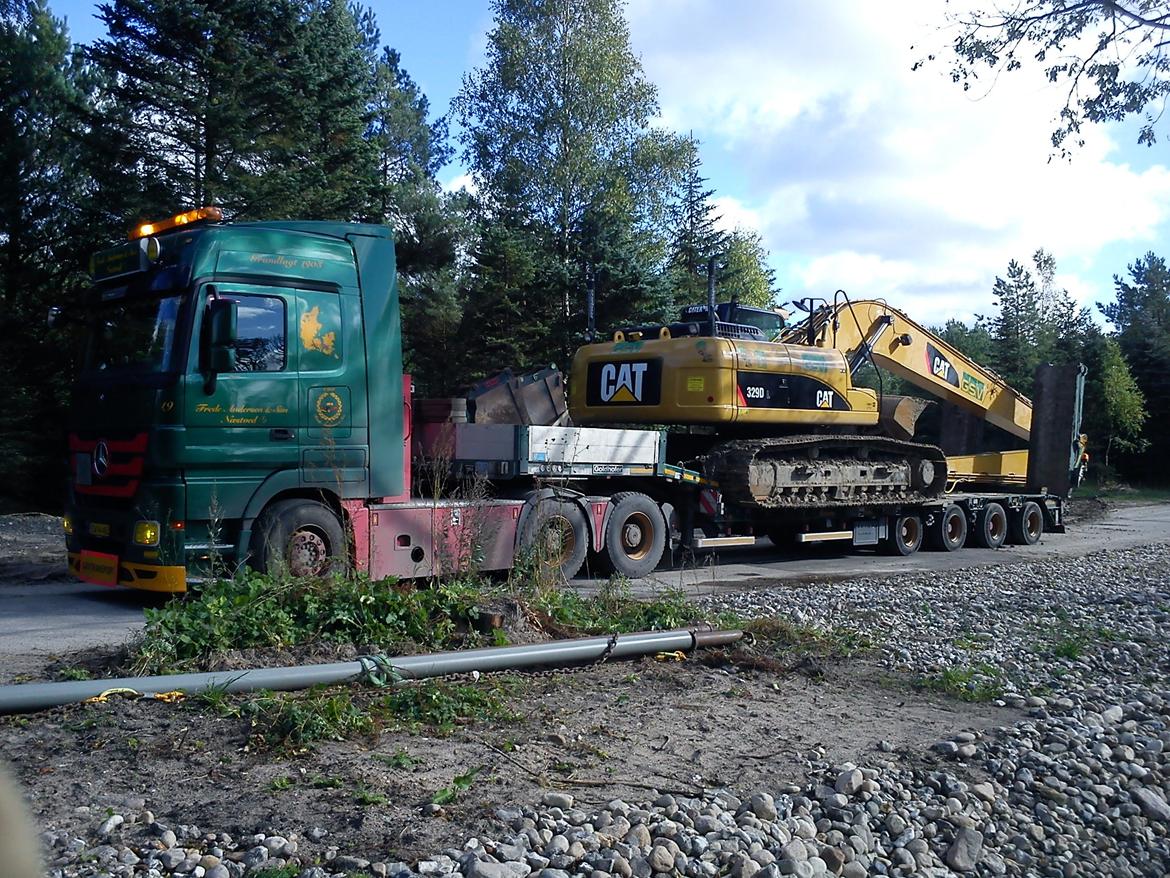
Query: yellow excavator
773, 413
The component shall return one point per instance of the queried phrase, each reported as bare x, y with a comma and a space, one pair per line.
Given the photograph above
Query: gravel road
1070, 777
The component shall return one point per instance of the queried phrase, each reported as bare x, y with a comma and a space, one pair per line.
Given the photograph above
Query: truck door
333, 435
242, 426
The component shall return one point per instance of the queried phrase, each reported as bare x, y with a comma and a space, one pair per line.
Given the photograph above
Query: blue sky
859, 173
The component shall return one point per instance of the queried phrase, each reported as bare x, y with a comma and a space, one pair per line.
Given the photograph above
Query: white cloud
461, 181
863, 174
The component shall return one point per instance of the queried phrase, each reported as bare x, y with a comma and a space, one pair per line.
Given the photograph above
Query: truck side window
261, 338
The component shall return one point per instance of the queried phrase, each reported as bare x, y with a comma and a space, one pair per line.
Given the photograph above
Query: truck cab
224, 393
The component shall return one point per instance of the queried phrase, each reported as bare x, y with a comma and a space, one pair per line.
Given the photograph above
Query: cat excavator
776, 417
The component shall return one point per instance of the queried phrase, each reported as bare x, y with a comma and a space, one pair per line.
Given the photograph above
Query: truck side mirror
55, 317
222, 316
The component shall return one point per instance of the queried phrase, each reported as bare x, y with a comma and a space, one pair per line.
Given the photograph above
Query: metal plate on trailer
593, 445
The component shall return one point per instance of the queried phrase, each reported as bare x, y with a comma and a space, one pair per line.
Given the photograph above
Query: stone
172, 858
485, 869
764, 806
849, 782
661, 859
557, 800
964, 851
639, 837
834, 859
219, 870
110, 824
1152, 804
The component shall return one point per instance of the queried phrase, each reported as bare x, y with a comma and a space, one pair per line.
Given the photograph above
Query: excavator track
827, 472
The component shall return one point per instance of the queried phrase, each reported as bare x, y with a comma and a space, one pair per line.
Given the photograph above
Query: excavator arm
871, 328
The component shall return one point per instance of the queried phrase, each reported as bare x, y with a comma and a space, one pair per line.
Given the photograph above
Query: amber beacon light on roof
200, 214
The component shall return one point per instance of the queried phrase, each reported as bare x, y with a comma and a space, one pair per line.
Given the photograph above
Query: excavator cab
732, 320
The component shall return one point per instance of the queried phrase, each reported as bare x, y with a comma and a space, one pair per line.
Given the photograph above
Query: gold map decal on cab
311, 337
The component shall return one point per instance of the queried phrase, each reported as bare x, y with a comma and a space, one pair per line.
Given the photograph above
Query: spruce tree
1014, 330
45, 202
696, 237
258, 106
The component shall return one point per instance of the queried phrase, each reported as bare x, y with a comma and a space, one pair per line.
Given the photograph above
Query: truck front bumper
99, 568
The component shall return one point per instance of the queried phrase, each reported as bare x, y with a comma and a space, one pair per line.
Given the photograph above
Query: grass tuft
975, 683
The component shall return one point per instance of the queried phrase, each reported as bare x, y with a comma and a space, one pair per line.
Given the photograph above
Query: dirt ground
616, 730
613, 730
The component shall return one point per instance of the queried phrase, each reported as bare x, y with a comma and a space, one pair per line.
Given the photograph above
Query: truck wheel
948, 532
302, 538
556, 532
1027, 524
635, 535
991, 527
905, 535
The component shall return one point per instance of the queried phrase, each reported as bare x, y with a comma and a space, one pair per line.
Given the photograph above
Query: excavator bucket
899, 415
1054, 448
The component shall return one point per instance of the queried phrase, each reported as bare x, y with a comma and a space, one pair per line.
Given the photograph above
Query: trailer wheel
558, 536
635, 535
991, 527
1027, 524
905, 536
302, 538
948, 532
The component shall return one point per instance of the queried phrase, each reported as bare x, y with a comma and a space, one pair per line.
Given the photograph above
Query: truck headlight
67, 523
146, 533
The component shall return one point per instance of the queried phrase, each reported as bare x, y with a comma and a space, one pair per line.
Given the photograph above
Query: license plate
99, 567
97, 529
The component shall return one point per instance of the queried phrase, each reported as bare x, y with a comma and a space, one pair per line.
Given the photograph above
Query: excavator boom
872, 329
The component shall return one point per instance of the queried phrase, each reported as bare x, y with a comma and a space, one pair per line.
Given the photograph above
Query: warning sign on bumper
99, 567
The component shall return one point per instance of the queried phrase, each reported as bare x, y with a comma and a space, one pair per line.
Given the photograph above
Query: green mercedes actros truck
242, 402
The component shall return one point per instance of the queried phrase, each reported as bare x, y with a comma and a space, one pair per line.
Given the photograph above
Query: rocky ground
1011, 720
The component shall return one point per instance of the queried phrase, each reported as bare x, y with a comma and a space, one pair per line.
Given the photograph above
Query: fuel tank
714, 380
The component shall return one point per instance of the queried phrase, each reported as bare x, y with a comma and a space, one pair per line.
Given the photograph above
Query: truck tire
1026, 525
557, 534
905, 537
948, 532
635, 535
991, 527
301, 538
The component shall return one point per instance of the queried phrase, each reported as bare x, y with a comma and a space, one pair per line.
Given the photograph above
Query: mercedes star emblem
101, 459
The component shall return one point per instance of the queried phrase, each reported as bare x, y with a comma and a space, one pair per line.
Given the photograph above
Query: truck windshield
134, 335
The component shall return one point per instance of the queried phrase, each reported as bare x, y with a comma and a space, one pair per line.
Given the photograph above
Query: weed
399, 759
613, 610
75, 674
325, 782
367, 797
977, 683
281, 783
257, 610
290, 871
1068, 647
300, 720
444, 705
460, 784
783, 637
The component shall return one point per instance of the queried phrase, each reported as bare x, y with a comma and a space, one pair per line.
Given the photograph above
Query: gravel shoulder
1009, 720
